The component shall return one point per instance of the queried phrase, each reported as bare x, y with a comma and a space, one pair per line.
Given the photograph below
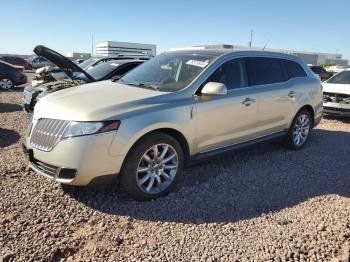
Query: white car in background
336, 94
336, 69
38, 62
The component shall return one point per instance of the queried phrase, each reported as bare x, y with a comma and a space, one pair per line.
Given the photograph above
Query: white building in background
76, 55
116, 48
313, 58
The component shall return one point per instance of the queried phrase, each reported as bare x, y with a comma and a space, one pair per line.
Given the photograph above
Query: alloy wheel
6, 83
301, 130
157, 169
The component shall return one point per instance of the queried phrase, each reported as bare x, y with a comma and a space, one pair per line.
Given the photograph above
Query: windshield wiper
142, 85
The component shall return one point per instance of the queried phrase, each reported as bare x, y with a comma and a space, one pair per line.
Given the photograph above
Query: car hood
336, 88
59, 60
97, 101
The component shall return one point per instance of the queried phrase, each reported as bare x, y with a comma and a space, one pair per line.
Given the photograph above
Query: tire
146, 177
300, 128
6, 83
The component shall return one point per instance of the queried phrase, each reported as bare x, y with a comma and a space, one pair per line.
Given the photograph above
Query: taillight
20, 71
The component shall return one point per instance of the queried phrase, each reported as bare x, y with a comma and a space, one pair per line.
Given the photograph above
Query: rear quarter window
294, 69
264, 70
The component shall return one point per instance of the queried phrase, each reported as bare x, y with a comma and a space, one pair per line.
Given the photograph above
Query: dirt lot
263, 203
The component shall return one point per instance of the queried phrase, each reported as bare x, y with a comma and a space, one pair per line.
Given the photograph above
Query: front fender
132, 129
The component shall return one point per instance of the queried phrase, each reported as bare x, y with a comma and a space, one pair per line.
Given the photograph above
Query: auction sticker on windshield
197, 63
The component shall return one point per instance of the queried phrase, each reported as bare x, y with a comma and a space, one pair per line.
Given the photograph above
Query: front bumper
76, 161
339, 109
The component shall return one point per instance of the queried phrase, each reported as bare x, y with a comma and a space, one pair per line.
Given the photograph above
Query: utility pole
92, 45
251, 38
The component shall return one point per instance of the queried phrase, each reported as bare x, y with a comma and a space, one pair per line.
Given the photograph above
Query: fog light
66, 173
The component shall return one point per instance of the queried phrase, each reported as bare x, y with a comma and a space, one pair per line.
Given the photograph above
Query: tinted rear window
294, 69
262, 71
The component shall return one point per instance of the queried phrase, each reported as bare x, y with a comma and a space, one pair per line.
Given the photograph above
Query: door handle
248, 101
291, 94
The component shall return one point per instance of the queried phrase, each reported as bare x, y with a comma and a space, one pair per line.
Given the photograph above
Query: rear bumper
20, 80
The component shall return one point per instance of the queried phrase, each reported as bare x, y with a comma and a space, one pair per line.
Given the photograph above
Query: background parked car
336, 94
336, 68
100, 59
15, 60
78, 61
11, 75
67, 74
37, 62
323, 74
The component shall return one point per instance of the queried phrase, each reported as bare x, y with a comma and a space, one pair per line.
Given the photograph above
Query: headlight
88, 128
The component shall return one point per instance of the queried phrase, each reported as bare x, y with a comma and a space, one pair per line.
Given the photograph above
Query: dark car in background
67, 74
323, 73
37, 62
11, 75
15, 60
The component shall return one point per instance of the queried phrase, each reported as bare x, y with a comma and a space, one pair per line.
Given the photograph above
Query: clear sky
67, 26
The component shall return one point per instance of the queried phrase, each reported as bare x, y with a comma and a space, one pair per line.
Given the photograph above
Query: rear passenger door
275, 93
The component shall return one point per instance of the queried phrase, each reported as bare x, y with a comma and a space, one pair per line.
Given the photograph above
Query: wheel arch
171, 131
310, 109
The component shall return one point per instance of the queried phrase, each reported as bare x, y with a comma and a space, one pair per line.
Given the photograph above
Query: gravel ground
263, 203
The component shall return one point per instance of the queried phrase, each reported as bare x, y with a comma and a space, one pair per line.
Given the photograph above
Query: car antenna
266, 44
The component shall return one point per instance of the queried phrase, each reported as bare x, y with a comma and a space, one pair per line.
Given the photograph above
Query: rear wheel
299, 131
152, 166
6, 83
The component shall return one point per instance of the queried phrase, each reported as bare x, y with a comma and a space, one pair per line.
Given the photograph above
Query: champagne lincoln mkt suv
172, 110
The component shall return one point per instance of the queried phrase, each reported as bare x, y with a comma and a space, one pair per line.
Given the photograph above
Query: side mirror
214, 89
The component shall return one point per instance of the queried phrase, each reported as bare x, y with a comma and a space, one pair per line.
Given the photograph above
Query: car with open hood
66, 74
336, 94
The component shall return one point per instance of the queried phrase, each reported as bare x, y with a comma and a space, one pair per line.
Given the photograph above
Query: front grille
336, 98
47, 133
45, 168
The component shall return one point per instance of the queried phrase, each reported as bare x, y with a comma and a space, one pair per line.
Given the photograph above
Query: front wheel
299, 131
152, 166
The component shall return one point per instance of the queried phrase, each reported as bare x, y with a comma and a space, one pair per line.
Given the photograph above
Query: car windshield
168, 72
88, 62
101, 70
340, 78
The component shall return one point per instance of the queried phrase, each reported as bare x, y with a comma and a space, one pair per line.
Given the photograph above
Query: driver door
229, 119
